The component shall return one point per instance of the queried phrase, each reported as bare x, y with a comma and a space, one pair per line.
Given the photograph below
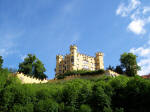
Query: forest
103, 94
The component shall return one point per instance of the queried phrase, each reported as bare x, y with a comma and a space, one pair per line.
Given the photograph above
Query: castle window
72, 62
68, 67
72, 59
85, 62
92, 68
59, 71
60, 66
85, 67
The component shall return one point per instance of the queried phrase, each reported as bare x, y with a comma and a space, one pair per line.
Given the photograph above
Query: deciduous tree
32, 66
129, 64
1, 62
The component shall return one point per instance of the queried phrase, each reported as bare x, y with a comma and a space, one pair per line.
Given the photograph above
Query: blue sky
48, 27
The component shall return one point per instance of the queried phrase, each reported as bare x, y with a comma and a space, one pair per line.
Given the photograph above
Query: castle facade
77, 61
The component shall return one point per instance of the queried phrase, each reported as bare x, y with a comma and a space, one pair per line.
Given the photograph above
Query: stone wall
111, 73
29, 80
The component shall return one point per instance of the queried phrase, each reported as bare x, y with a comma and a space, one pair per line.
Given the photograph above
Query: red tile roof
146, 76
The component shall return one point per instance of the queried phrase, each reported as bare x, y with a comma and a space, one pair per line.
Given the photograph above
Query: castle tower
99, 61
73, 54
59, 67
73, 49
59, 58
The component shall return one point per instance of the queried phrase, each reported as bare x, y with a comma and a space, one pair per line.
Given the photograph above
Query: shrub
81, 72
85, 108
119, 110
22, 108
100, 100
47, 105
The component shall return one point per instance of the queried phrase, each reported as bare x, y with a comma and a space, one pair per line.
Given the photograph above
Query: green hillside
103, 94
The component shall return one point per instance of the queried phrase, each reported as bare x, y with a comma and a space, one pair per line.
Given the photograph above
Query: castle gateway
77, 61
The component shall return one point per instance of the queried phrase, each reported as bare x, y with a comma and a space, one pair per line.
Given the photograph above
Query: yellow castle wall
77, 61
111, 73
29, 80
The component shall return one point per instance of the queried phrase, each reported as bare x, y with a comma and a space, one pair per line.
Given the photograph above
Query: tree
119, 70
47, 105
12, 70
85, 108
100, 101
1, 62
129, 64
32, 66
110, 68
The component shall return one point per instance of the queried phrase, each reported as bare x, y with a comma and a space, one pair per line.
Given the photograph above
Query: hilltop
104, 93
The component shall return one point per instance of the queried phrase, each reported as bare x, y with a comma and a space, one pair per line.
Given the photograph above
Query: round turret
73, 50
99, 54
73, 47
59, 56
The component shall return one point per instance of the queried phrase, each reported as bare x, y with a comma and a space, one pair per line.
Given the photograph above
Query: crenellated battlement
59, 56
111, 73
29, 80
99, 54
85, 55
73, 47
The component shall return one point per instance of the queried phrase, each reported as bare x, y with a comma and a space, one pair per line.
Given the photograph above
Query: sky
48, 27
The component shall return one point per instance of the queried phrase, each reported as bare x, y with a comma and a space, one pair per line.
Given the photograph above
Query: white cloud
137, 27
144, 54
126, 10
121, 10
3, 52
146, 10
135, 11
141, 51
7, 43
135, 15
134, 4
144, 62
138, 17
145, 66
6, 47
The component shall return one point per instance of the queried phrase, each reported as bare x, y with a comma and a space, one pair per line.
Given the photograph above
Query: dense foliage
81, 72
99, 94
103, 94
1, 62
129, 64
32, 66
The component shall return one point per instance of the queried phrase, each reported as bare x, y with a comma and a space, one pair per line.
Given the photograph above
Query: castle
72, 61
77, 61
